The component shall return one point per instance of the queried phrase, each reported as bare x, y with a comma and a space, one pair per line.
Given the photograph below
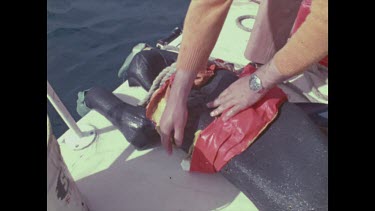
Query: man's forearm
308, 45
203, 23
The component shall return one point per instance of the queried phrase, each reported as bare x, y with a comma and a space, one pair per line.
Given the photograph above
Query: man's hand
237, 96
173, 121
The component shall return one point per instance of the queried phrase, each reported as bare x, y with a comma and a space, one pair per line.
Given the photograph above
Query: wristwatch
255, 84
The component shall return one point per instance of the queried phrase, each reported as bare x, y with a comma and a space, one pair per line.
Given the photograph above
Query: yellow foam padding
156, 116
196, 136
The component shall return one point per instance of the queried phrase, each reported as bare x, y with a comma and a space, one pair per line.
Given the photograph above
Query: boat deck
113, 176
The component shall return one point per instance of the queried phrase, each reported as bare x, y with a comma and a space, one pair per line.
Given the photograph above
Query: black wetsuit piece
286, 168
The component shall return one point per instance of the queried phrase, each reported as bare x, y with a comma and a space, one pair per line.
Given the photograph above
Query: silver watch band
255, 84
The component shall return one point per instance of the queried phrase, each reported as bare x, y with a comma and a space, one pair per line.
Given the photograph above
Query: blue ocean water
88, 40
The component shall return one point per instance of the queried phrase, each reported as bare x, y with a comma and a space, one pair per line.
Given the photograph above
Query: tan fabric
308, 45
203, 23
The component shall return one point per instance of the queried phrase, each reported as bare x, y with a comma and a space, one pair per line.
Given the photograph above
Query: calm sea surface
88, 40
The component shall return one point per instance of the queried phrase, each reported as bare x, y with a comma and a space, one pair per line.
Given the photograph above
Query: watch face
255, 83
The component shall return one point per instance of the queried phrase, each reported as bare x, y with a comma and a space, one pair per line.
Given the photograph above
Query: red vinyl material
221, 141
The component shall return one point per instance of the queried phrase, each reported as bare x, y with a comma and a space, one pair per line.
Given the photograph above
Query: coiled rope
158, 82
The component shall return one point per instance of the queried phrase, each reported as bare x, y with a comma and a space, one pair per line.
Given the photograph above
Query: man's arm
307, 46
203, 23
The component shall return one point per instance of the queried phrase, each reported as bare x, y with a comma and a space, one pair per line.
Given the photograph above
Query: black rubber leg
130, 120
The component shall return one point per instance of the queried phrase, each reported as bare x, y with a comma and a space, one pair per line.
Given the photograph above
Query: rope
163, 76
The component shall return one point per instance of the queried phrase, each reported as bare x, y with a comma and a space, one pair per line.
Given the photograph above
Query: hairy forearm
308, 45
203, 23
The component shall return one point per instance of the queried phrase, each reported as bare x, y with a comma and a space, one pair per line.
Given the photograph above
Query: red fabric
221, 141
324, 61
304, 10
